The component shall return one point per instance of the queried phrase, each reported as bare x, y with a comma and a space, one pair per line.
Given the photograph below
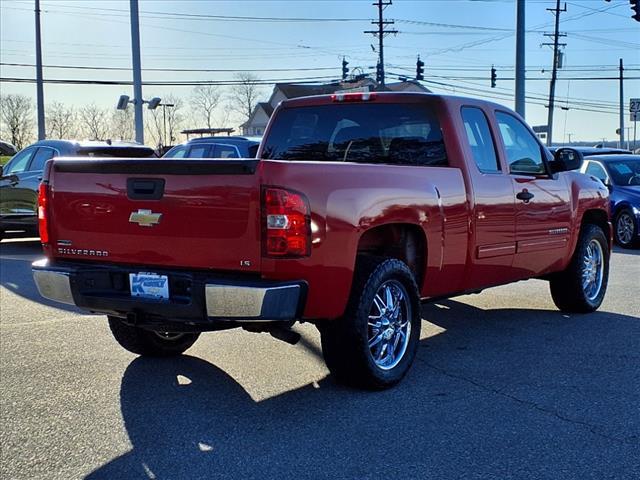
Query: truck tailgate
181, 213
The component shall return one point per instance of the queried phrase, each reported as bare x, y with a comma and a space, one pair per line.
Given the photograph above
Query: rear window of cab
399, 134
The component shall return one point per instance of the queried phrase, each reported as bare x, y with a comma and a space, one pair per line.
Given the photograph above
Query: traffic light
345, 69
635, 6
379, 73
494, 77
419, 69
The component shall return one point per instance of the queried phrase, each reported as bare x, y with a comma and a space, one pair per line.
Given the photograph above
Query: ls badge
145, 218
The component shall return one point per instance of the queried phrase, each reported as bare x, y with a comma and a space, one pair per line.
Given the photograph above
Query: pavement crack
594, 429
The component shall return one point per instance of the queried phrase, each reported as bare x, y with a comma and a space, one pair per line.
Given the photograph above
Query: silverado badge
145, 218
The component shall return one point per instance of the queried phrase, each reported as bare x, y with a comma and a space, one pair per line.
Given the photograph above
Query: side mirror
1, 170
565, 159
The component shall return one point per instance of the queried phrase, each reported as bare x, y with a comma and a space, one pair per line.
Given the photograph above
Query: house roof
266, 106
402, 86
294, 91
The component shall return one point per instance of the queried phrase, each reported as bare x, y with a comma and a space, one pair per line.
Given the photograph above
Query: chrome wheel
169, 335
592, 270
389, 325
624, 228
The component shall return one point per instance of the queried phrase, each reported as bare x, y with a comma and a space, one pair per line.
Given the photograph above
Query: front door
11, 196
543, 206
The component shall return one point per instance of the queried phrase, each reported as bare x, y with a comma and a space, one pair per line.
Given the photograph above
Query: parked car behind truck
20, 177
216, 147
358, 207
621, 175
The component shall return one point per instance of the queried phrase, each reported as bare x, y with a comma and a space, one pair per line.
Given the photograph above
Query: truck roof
387, 97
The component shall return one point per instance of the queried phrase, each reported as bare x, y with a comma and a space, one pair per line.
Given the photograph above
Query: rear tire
625, 229
582, 286
149, 343
373, 345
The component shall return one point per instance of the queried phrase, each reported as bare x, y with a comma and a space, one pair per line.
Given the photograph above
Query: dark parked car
216, 147
20, 177
621, 174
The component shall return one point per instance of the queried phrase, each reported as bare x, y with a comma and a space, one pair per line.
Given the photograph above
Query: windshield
625, 172
404, 134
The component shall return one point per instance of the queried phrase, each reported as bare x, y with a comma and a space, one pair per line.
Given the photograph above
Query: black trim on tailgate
158, 166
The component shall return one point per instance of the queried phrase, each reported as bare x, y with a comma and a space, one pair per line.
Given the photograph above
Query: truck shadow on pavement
501, 393
15, 275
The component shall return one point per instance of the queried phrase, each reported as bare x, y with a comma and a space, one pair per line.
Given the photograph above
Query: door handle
525, 195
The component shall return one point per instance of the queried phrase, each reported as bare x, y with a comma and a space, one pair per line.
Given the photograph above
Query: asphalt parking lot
504, 386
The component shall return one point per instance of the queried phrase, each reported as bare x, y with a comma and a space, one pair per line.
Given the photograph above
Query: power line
269, 81
204, 70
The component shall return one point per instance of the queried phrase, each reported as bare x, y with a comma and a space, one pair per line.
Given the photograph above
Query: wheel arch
403, 241
601, 219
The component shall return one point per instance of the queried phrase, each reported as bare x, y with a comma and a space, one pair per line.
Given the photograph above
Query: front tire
625, 229
582, 286
373, 345
150, 343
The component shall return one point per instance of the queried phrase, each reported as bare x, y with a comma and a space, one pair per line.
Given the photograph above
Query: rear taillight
43, 213
286, 223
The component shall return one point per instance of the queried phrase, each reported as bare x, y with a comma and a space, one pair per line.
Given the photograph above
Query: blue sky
459, 40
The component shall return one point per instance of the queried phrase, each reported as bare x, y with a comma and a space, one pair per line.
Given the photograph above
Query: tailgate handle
145, 188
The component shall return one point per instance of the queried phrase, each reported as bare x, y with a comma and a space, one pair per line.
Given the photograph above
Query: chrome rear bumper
105, 288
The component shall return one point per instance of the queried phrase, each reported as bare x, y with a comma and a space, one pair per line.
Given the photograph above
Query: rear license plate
149, 285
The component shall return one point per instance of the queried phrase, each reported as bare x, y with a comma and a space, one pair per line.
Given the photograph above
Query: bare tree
122, 124
244, 94
204, 101
163, 124
61, 121
95, 124
175, 118
16, 115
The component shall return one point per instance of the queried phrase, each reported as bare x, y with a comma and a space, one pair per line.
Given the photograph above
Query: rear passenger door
543, 207
493, 212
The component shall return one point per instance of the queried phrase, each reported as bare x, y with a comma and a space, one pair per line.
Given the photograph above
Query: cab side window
596, 170
523, 151
39, 159
20, 162
480, 140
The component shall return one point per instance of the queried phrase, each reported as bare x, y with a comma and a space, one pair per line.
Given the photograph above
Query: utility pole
39, 83
621, 105
554, 73
137, 71
520, 57
381, 33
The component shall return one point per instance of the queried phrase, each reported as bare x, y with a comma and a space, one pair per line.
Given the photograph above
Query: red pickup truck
357, 208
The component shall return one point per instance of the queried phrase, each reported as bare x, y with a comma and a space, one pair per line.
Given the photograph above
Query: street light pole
137, 71
39, 82
520, 57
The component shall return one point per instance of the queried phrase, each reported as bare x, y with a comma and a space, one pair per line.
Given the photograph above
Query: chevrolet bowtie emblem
145, 218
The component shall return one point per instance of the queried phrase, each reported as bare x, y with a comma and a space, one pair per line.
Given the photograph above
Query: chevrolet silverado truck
358, 207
